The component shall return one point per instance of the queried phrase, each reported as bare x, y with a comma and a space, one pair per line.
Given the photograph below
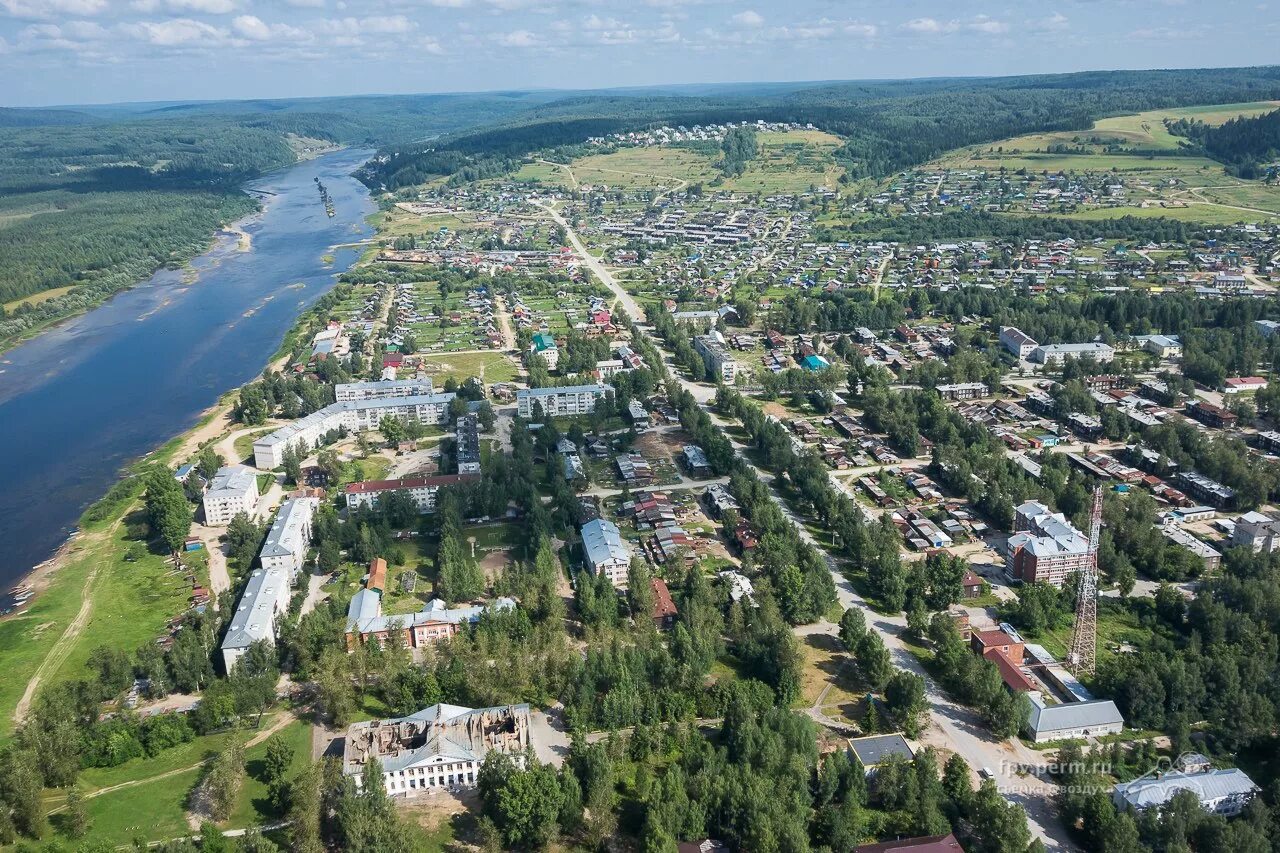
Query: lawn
1115, 626
131, 604
152, 811
791, 162
488, 366
252, 807
1208, 213
653, 166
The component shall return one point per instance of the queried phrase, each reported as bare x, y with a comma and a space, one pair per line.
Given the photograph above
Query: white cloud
595, 22
175, 32
749, 18
1056, 21
449, 4
45, 9
924, 25
983, 24
376, 25
864, 30
255, 29
517, 38
200, 7
932, 26
305, 4
432, 46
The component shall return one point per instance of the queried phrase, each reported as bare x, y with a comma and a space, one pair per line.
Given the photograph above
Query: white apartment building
1259, 532
1017, 342
233, 490
1058, 353
383, 390
605, 551
289, 537
423, 490
558, 402
717, 359
355, 416
265, 600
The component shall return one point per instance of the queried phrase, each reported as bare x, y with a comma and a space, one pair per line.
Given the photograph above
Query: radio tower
1083, 654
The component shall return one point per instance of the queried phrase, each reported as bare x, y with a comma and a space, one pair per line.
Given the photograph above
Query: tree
873, 660
392, 429
292, 461
305, 810
904, 697
276, 766
223, 781
77, 819
852, 626
168, 510
524, 804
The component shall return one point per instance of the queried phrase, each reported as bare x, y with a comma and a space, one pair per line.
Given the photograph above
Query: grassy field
489, 366
150, 811
640, 168
1208, 213
132, 601
244, 444
37, 298
252, 806
791, 162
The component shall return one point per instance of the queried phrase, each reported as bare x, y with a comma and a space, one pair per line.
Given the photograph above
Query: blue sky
87, 51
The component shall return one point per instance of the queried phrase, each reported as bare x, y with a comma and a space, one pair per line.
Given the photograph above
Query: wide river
83, 400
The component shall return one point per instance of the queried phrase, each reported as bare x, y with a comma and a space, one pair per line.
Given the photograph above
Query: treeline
104, 240
1245, 144
887, 126
757, 783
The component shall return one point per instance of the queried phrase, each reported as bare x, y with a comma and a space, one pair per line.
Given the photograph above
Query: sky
103, 51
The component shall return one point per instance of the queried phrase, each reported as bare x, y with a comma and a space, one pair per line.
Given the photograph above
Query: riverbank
100, 587
97, 590
78, 300
67, 303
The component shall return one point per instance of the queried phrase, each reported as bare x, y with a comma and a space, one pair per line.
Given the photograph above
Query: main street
953, 727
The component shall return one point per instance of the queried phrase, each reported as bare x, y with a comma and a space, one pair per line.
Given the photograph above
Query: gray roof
561, 389
232, 481
387, 385
254, 618
603, 543
319, 416
876, 749
365, 615
287, 534
1072, 715
1208, 787
438, 723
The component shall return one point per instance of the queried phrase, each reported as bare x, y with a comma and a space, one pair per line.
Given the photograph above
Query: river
85, 399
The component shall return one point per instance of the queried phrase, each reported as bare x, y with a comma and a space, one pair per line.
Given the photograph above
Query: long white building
557, 402
233, 490
265, 601
289, 536
385, 389
441, 746
1058, 353
355, 416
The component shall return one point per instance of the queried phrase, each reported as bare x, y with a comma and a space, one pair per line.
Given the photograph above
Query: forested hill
888, 125
1246, 145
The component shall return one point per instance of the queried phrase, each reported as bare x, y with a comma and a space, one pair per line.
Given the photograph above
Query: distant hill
19, 117
888, 125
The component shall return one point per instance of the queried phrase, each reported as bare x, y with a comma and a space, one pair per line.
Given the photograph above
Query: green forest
888, 125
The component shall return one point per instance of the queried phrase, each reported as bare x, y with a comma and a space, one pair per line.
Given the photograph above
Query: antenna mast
1083, 654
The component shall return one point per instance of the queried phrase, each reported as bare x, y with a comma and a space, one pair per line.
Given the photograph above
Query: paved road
953, 727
